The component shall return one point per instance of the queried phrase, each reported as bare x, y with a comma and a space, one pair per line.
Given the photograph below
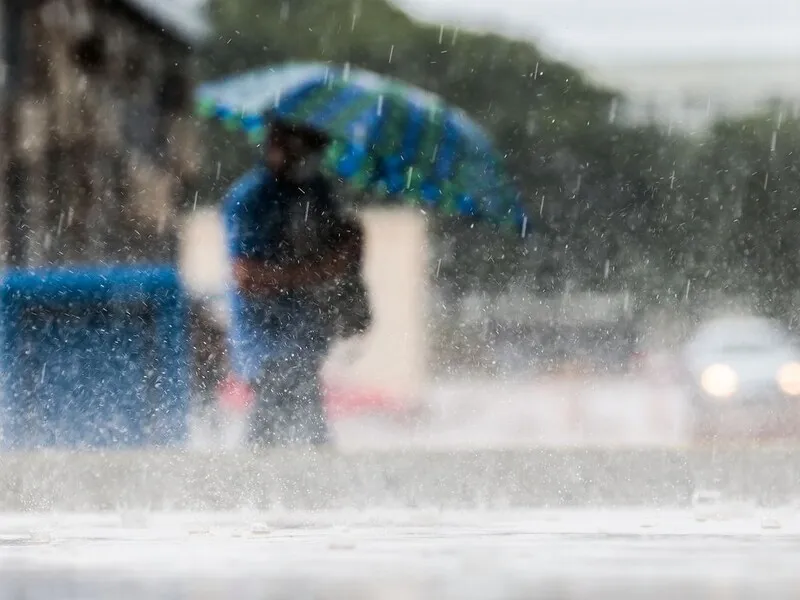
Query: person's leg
288, 405
304, 410
267, 421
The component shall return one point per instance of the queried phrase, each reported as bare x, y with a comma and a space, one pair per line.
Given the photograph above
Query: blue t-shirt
274, 222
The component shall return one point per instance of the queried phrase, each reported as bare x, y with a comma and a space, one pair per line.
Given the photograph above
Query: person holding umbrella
390, 143
296, 261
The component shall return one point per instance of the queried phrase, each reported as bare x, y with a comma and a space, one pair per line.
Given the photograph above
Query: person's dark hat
313, 139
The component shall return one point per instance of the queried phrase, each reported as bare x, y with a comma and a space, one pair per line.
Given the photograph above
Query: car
743, 376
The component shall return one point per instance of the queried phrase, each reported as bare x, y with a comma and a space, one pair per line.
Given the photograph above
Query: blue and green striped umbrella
390, 138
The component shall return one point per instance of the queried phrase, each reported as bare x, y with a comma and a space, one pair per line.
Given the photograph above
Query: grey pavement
326, 479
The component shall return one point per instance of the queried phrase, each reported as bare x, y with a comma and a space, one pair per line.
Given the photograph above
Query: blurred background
611, 403
655, 144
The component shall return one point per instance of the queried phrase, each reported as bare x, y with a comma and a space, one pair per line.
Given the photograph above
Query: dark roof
185, 20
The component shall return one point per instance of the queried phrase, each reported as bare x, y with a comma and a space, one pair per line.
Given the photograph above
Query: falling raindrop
541, 207
194, 205
766, 180
433, 111
536, 72
346, 72
409, 175
379, 108
391, 53
688, 287
219, 168
672, 180
305, 218
356, 14
578, 184
606, 269
455, 37
438, 267
774, 143
441, 33
612, 110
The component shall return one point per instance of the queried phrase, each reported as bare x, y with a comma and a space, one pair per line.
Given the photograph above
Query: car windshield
740, 335
748, 347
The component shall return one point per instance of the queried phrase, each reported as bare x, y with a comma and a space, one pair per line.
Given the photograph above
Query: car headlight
719, 381
789, 379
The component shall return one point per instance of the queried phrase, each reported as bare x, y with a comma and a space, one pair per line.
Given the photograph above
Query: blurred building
514, 333
98, 147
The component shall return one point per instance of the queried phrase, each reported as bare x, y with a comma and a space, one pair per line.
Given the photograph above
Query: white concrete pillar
392, 356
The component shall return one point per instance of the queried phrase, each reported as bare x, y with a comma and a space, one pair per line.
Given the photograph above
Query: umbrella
388, 137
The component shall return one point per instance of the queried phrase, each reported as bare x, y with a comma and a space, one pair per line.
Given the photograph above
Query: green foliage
668, 216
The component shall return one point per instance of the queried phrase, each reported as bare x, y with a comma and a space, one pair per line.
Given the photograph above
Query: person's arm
250, 269
259, 277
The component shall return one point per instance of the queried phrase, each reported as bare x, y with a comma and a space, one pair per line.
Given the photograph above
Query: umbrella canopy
388, 137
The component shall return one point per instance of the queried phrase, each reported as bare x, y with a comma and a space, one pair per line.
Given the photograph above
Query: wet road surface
735, 553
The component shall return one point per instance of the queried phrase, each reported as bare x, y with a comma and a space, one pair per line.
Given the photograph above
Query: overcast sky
613, 31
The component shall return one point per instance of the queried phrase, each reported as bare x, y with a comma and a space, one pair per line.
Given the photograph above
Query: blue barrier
93, 357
